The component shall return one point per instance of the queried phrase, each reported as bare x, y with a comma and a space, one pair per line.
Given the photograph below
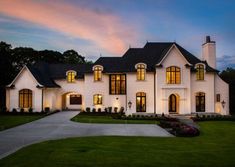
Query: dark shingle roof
151, 54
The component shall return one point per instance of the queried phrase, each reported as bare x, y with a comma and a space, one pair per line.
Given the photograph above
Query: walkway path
59, 126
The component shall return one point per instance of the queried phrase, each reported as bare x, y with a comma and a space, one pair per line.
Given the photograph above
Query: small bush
47, 109
93, 110
115, 109
110, 109
88, 109
30, 110
99, 109
14, 110
106, 110
186, 131
21, 110
121, 110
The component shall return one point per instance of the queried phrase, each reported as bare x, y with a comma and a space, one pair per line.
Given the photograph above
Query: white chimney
209, 52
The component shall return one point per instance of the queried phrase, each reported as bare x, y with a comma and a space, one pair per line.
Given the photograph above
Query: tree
228, 76
72, 57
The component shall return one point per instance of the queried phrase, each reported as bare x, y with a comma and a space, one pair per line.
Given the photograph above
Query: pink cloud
103, 29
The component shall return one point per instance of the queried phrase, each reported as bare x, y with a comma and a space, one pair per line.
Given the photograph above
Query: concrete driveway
59, 126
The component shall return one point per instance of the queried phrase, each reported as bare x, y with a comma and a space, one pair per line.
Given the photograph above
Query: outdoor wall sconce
129, 104
223, 103
117, 98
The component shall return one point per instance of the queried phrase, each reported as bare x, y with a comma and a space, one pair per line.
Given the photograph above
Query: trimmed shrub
121, 110
93, 110
47, 109
110, 109
99, 109
115, 109
186, 131
14, 110
30, 110
88, 109
21, 110
106, 110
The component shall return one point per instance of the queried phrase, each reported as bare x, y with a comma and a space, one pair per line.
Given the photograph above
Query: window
200, 72
140, 102
98, 73
173, 75
71, 76
97, 99
25, 98
75, 99
141, 70
117, 84
217, 97
200, 102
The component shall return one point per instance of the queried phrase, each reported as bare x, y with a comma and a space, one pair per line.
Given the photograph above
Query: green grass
215, 147
109, 120
9, 121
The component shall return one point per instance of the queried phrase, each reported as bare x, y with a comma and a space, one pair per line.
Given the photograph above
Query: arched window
141, 70
173, 75
98, 73
25, 98
200, 72
71, 76
200, 102
140, 102
97, 99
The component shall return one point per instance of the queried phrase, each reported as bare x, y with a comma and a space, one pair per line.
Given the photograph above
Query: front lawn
108, 120
215, 147
11, 120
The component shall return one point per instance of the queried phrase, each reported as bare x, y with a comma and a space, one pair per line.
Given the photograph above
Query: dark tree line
13, 59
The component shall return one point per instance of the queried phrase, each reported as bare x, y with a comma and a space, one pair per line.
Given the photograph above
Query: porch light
129, 104
223, 103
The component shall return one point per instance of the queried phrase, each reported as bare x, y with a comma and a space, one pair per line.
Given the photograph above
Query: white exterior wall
102, 87
164, 90
25, 81
222, 88
206, 86
146, 86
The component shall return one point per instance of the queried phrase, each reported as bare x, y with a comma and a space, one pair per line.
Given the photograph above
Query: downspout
42, 99
154, 86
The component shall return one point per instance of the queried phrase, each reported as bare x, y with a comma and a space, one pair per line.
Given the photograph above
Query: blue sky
109, 28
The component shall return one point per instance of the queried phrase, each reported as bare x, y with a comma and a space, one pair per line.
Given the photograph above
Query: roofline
169, 52
25, 67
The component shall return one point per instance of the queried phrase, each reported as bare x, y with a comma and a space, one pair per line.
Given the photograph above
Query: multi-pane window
75, 99
173, 75
217, 97
200, 72
71, 76
140, 102
141, 70
25, 98
200, 102
97, 99
97, 73
117, 84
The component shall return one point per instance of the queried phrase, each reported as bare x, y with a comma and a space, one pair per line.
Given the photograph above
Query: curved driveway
59, 126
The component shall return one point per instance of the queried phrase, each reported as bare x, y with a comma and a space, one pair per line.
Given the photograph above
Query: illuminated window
117, 84
141, 70
140, 102
173, 75
97, 73
217, 97
25, 98
200, 102
97, 99
71, 76
200, 72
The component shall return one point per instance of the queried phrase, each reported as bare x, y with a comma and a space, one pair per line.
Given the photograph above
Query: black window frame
173, 71
120, 87
26, 95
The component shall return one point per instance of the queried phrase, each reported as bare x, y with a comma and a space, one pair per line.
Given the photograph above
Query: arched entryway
173, 104
71, 101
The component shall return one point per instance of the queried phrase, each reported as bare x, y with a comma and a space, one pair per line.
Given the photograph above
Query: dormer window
98, 73
200, 72
71, 76
141, 70
173, 75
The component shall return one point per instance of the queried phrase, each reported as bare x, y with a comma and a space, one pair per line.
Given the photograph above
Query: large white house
161, 77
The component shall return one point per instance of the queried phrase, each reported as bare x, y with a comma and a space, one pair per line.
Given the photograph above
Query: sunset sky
110, 27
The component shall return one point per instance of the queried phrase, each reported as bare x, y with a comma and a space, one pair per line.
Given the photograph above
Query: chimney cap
208, 40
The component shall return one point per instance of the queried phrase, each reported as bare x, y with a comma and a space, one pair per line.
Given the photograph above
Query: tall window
141, 70
71, 76
200, 102
173, 75
25, 98
200, 72
97, 73
75, 99
140, 102
97, 99
117, 84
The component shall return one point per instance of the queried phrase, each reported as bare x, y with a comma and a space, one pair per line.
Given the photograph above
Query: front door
141, 102
200, 102
172, 103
